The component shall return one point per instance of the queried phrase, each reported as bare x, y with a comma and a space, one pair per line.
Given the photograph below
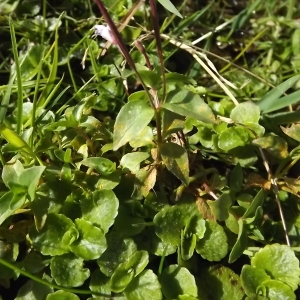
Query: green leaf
219, 282
172, 219
168, 5
67, 270
120, 279
293, 131
277, 290
127, 270
103, 165
49, 240
11, 173
30, 178
126, 224
100, 283
220, 207
275, 145
176, 280
5, 208
15, 140
271, 101
246, 112
144, 181
188, 104
179, 78
213, 246
131, 161
144, 286
33, 290
240, 244
280, 262
256, 202
252, 278
151, 79
236, 178
118, 251
296, 42
232, 137
133, 117
101, 210
187, 246
91, 242
176, 160
62, 295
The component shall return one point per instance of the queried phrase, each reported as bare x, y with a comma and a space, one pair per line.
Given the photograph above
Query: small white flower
105, 32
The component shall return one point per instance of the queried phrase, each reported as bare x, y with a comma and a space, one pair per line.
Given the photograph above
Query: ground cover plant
149, 150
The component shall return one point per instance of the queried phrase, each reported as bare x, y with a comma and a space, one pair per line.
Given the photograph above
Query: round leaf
91, 243
49, 240
171, 220
33, 290
219, 282
232, 137
176, 280
277, 290
246, 112
213, 246
118, 250
62, 295
67, 270
280, 262
252, 278
101, 210
144, 287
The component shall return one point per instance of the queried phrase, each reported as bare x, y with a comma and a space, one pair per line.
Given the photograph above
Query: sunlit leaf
67, 270
176, 160
176, 280
213, 246
133, 117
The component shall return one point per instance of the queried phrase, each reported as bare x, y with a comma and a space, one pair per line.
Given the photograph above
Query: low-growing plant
125, 179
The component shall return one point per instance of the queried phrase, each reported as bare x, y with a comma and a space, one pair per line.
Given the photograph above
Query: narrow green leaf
15, 140
176, 160
267, 103
240, 244
168, 5
257, 201
236, 179
133, 117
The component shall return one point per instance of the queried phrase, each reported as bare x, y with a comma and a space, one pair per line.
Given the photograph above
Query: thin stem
19, 77
54, 286
275, 190
158, 44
